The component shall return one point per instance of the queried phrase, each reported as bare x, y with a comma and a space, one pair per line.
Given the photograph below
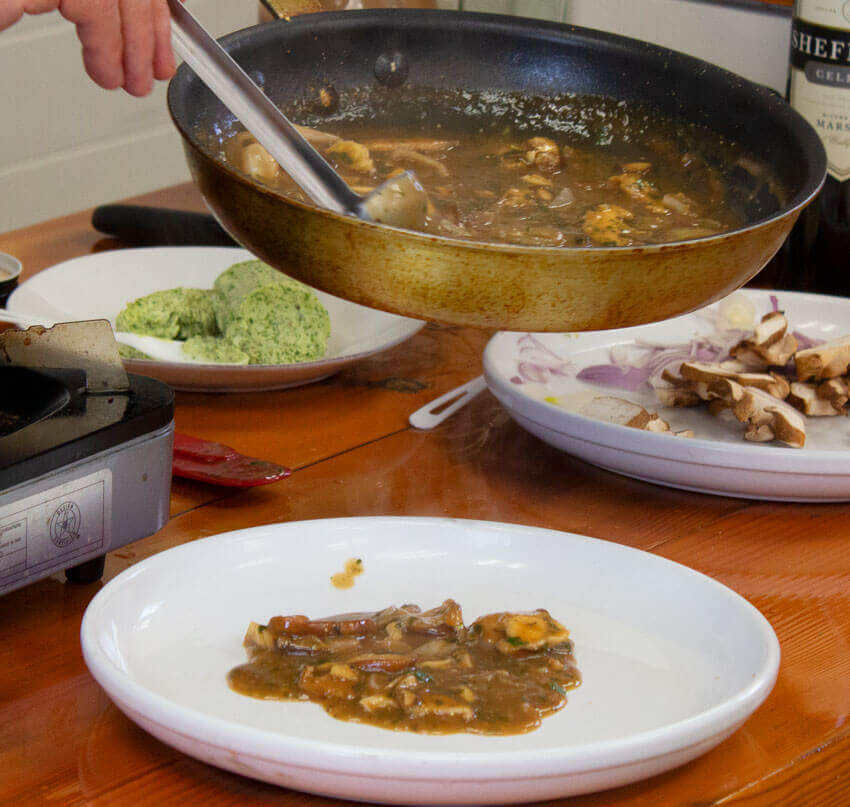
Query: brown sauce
409, 670
637, 180
345, 578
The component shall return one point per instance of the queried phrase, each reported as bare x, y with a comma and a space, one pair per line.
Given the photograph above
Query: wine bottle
818, 251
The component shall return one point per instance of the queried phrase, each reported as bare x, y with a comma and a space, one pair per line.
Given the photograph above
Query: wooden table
62, 741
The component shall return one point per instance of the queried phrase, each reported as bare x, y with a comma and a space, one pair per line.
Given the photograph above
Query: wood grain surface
63, 742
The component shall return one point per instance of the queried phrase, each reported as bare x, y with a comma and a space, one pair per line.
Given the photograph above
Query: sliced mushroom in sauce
423, 671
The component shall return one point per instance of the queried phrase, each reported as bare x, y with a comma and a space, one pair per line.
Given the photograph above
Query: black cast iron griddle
28, 396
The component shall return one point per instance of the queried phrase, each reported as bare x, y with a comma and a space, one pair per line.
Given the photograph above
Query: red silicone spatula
206, 461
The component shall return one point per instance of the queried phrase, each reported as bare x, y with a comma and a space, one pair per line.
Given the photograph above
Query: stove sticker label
59, 526
13, 545
65, 524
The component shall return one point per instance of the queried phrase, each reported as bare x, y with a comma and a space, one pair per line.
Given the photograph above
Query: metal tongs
400, 201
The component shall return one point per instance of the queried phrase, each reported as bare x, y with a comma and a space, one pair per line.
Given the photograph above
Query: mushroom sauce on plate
404, 669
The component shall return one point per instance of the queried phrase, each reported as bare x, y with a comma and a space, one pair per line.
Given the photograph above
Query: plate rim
718, 720
740, 456
326, 366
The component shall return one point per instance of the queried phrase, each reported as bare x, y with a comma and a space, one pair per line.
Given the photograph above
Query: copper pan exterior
489, 285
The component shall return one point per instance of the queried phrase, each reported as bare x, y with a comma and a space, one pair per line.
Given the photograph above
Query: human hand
126, 43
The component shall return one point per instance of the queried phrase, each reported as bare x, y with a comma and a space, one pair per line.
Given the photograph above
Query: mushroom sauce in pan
575, 171
403, 669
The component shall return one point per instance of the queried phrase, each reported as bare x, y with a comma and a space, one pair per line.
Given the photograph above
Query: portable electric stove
85, 452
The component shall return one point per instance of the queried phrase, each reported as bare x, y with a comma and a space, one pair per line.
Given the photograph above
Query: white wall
752, 43
749, 38
67, 145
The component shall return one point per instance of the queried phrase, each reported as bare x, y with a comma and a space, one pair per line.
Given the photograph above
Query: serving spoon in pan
400, 201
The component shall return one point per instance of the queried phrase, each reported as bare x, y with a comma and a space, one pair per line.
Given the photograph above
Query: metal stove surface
85, 465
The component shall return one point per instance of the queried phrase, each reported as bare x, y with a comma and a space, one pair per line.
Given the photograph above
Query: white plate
717, 460
100, 285
661, 684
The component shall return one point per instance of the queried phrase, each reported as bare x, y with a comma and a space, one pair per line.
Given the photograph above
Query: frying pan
480, 284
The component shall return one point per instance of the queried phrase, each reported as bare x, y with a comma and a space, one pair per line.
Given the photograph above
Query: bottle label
820, 75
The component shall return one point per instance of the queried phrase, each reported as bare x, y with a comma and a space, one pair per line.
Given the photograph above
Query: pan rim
809, 186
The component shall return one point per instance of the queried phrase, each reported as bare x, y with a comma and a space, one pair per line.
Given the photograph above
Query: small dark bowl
10, 271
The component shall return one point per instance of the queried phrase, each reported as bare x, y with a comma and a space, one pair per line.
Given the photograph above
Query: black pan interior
488, 67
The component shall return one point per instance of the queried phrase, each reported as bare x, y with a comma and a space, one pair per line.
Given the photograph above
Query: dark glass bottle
816, 256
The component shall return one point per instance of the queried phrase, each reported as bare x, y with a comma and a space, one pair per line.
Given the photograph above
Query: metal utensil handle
427, 417
235, 89
271, 7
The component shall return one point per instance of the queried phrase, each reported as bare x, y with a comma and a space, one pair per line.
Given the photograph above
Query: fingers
137, 31
10, 13
38, 6
98, 25
12, 10
163, 56
126, 43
